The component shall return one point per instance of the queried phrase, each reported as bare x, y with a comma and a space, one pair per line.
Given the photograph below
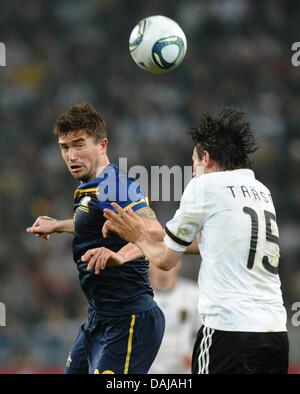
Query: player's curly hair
227, 137
81, 116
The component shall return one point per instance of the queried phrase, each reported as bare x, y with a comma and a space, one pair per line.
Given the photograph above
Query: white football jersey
234, 218
179, 305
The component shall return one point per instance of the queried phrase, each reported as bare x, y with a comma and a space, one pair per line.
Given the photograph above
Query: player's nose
72, 155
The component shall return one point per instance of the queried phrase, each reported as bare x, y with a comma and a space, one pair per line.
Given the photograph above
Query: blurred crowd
63, 52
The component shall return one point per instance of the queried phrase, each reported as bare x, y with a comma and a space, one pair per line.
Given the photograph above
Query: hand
105, 230
128, 225
187, 360
42, 227
99, 258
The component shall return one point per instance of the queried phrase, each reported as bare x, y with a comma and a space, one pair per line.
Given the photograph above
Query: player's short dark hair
227, 137
81, 116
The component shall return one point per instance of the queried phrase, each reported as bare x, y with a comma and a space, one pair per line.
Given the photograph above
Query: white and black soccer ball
157, 44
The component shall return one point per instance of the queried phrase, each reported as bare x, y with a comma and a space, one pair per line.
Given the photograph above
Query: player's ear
103, 144
208, 162
206, 159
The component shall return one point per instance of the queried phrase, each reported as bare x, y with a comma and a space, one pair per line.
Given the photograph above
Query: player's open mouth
76, 168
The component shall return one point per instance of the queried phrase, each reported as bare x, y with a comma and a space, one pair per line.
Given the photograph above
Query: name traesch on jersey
249, 192
212, 193
235, 217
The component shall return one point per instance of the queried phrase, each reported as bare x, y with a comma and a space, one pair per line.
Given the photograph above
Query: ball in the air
157, 44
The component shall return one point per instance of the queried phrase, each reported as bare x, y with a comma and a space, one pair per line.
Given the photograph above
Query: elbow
164, 265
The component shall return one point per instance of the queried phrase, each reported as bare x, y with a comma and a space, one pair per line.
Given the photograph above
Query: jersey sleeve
188, 219
125, 191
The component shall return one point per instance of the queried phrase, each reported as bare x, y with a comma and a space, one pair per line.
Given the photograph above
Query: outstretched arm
99, 258
45, 225
153, 226
155, 230
129, 226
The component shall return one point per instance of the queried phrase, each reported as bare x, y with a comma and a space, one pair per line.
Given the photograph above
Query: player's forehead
73, 136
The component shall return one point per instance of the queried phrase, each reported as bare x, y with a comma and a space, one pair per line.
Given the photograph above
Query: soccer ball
157, 44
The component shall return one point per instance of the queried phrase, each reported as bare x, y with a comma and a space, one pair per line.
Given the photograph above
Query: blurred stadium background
62, 52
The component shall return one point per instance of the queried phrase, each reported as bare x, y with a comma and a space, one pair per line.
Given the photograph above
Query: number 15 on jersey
269, 237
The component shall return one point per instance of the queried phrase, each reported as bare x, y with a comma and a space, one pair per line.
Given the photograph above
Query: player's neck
214, 168
104, 163
98, 171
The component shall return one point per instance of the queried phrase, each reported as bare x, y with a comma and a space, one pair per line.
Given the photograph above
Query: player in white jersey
177, 297
229, 215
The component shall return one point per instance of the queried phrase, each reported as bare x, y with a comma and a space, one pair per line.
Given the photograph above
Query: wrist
122, 255
141, 240
57, 228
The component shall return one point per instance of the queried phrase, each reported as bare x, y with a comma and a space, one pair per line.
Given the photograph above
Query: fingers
97, 259
110, 215
94, 262
34, 229
37, 233
120, 222
105, 232
112, 227
42, 226
124, 215
125, 225
118, 208
105, 229
118, 218
133, 215
93, 258
37, 222
87, 256
43, 236
101, 261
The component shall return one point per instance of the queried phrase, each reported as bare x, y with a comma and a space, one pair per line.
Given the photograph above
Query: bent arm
64, 226
100, 258
45, 225
155, 230
130, 226
193, 248
130, 252
158, 253
152, 244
